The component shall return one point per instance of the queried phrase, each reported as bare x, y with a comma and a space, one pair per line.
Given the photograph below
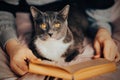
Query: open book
82, 70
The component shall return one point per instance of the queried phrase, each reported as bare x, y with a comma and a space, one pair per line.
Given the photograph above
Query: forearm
7, 28
12, 45
96, 22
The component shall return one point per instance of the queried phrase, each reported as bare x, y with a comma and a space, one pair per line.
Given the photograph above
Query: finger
112, 53
24, 66
97, 49
106, 50
17, 69
32, 57
37, 61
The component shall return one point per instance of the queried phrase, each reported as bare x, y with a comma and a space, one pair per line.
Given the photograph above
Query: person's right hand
104, 45
18, 55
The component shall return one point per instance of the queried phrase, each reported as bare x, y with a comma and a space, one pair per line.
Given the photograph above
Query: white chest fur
52, 49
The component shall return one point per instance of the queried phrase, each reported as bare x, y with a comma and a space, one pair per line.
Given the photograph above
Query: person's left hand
104, 45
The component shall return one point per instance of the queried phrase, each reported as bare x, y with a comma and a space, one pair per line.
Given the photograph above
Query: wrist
11, 45
103, 34
106, 26
103, 31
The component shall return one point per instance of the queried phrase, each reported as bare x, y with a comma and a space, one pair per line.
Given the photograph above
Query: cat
58, 35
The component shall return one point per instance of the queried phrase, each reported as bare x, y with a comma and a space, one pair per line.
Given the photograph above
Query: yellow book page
49, 70
94, 71
86, 64
79, 70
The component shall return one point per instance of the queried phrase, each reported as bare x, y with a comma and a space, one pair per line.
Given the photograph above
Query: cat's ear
35, 11
64, 12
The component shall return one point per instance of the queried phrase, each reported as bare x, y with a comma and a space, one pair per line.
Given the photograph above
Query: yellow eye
43, 26
57, 25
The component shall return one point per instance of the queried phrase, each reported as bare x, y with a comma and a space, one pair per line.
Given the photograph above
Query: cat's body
58, 35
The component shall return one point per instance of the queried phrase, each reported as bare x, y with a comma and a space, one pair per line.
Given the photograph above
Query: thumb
31, 56
97, 49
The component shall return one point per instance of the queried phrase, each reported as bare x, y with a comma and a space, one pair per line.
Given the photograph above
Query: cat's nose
50, 34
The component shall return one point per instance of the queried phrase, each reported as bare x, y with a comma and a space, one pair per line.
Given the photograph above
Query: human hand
18, 55
103, 43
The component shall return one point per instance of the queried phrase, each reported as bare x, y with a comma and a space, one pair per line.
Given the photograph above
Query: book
79, 71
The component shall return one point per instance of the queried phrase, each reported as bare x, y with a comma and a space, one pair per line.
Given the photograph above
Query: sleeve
96, 21
115, 19
7, 27
94, 4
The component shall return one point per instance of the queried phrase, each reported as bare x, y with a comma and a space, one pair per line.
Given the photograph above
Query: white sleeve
102, 18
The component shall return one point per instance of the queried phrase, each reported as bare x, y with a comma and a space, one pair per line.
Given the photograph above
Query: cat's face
50, 24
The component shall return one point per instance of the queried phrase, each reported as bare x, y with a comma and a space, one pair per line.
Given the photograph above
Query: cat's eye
43, 26
57, 25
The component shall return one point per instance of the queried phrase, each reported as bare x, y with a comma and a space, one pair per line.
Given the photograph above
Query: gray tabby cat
58, 34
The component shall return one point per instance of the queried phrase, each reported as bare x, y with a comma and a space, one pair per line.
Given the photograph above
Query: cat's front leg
71, 55
73, 51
